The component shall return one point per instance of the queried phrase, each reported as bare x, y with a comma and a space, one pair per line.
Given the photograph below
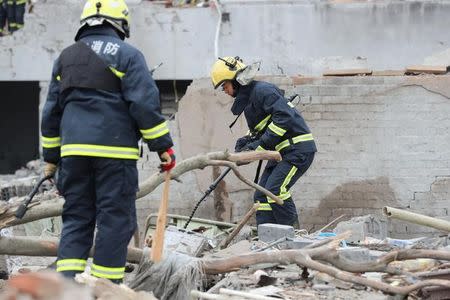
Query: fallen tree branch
200, 162
382, 263
246, 181
40, 209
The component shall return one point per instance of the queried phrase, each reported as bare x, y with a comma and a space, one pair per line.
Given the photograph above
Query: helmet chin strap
236, 87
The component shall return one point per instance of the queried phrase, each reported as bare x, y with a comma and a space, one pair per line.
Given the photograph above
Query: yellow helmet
226, 68
115, 12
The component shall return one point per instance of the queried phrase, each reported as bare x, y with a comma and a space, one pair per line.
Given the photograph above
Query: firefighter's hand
49, 169
242, 142
168, 160
252, 146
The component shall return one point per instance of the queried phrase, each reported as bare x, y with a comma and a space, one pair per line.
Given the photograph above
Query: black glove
242, 142
252, 146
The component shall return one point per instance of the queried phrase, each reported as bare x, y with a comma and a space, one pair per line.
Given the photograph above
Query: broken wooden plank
389, 73
423, 69
347, 72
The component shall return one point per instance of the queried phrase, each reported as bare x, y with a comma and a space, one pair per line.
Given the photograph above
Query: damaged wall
381, 140
302, 37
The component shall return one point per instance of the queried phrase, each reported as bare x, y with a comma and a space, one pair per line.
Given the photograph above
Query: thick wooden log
28, 246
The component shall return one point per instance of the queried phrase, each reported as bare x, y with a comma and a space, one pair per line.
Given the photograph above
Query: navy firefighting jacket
104, 123
277, 122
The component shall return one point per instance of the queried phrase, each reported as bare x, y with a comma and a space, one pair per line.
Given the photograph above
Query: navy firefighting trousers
16, 13
100, 194
2, 16
279, 178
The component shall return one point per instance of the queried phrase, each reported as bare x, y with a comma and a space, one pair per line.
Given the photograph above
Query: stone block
271, 232
362, 227
355, 254
299, 243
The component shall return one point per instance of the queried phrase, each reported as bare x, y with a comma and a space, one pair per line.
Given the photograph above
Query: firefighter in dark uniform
101, 101
16, 13
274, 124
3, 17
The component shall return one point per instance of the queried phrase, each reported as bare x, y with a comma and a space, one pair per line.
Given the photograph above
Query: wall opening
19, 124
171, 92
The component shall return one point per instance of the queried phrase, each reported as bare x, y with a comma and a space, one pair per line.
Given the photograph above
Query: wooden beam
422, 69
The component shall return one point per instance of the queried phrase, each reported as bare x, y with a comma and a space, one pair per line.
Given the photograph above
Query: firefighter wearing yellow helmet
102, 100
113, 12
274, 124
226, 68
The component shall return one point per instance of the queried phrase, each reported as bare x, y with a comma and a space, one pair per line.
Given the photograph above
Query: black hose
211, 188
20, 212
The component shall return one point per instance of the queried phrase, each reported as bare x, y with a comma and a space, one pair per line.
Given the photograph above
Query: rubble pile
219, 260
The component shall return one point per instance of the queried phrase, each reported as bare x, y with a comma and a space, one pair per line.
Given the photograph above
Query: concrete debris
363, 227
272, 232
183, 241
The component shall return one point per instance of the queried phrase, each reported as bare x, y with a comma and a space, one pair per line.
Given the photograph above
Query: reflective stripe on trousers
107, 272
71, 264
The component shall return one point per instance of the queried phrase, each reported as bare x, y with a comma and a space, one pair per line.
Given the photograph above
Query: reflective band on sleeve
260, 148
99, 151
155, 132
71, 264
264, 206
291, 104
51, 142
117, 72
278, 130
260, 126
58, 78
106, 272
295, 140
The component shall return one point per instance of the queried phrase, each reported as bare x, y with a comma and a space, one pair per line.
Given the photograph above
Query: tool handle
22, 209
158, 236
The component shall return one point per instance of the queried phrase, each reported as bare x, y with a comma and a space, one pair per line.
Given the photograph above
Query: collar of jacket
242, 99
99, 30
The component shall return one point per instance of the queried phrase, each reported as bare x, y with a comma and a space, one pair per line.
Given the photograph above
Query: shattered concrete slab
363, 227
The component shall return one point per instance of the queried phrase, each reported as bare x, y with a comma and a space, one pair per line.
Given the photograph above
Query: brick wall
382, 141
